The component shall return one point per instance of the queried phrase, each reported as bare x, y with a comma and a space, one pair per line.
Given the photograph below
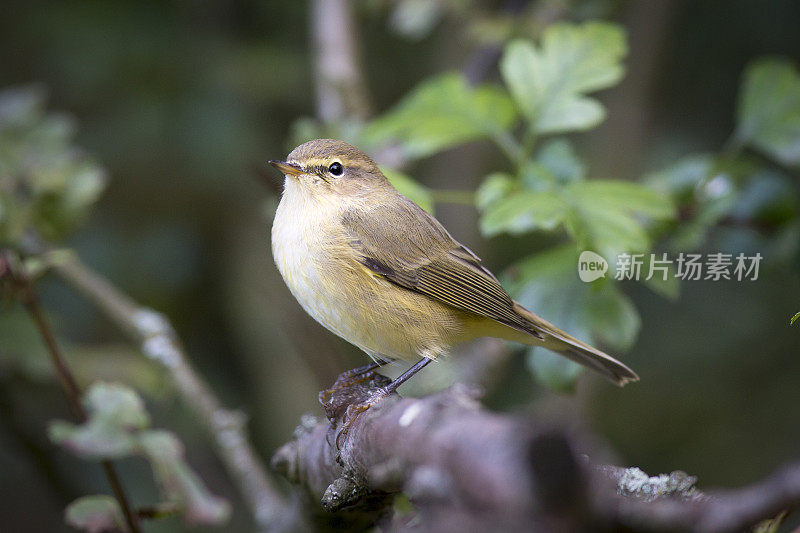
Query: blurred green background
183, 102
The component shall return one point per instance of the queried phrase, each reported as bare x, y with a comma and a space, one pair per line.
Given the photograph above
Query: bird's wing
404, 244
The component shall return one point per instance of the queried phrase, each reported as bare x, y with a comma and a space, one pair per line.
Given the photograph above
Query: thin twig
24, 290
158, 340
341, 91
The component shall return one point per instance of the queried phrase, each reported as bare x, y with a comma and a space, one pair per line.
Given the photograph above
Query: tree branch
465, 468
158, 340
341, 91
24, 290
715, 511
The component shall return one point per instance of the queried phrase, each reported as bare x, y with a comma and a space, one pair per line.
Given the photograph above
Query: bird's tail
545, 334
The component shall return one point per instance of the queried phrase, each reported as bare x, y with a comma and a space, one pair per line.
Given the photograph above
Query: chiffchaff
377, 270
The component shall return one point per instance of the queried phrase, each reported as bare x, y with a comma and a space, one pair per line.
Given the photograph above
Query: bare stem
510, 147
341, 91
24, 290
158, 340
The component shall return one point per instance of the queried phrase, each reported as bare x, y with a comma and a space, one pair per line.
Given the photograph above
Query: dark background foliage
182, 103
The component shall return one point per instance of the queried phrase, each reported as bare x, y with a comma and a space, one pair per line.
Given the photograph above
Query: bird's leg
353, 410
402, 378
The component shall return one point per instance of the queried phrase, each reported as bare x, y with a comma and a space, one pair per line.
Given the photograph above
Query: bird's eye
336, 169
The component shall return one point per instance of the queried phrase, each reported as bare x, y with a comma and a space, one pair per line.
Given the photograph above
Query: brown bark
464, 468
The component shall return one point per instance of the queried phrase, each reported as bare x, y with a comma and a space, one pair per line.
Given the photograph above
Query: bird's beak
290, 169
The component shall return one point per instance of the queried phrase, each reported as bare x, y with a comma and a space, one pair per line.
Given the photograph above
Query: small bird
380, 272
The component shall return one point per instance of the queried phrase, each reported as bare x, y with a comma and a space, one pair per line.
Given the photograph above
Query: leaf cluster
46, 183
118, 426
547, 94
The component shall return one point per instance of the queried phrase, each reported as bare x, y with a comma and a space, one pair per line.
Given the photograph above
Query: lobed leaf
632, 198
603, 215
440, 113
495, 187
768, 113
117, 426
599, 214
549, 82
95, 514
93, 440
558, 155
606, 229
179, 483
682, 177
116, 404
522, 212
48, 184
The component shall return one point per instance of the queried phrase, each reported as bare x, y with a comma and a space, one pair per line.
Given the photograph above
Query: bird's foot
353, 393
355, 409
351, 387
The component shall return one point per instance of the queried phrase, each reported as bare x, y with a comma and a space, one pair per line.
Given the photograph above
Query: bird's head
325, 167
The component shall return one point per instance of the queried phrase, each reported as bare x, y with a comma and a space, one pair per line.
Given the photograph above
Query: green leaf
95, 514
794, 319
555, 371
537, 177
769, 110
625, 196
48, 184
116, 403
549, 82
440, 113
495, 187
21, 106
117, 427
667, 286
716, 199
767, 197
86, 183
613, 318
558, 156
179, 483
680, 179
570, 113
607, 230
411, 189
414, 19
603, 214
523, 211
547, 284
114, 411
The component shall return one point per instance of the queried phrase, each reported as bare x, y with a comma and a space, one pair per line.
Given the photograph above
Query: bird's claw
344, 381
355, 409
350, 378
